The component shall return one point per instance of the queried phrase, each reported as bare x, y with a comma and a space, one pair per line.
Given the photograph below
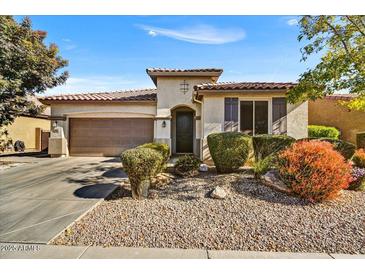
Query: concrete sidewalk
36, 251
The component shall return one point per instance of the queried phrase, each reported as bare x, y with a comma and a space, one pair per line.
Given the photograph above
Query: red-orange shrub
359, 158
314, 170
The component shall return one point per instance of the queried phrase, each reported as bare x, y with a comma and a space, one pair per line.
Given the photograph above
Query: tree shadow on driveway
97, 181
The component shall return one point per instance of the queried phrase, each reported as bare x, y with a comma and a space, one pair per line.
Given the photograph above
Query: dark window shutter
230, 114
279, 115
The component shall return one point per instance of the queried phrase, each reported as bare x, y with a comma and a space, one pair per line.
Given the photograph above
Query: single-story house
329, 112
185, 107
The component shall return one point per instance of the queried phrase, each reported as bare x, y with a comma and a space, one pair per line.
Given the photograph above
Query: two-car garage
107, 136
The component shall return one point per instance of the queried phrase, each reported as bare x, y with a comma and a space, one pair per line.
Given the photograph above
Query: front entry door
184, 132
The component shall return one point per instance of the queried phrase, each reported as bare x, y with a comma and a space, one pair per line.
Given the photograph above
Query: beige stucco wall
213, 115
297, 120
328, 112
100, 110
24, 129
169, 97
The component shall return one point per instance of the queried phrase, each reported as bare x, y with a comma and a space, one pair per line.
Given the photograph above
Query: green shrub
323, 132
345, 148
163, 149
141, 164
360, 140
229, 150
187, 165
262, 166
265, 145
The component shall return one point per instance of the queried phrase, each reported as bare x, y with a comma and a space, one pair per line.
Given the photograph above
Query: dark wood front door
184, 132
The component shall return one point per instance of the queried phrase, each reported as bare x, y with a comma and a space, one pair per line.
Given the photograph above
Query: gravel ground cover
252, 217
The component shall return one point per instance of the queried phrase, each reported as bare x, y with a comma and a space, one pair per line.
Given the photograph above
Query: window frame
269, 113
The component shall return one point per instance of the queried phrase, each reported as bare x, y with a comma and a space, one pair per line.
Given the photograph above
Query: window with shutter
230, 114
279, 115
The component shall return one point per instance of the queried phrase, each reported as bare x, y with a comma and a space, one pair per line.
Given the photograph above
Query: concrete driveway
39, 200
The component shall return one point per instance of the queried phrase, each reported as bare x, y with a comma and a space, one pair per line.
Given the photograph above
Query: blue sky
108, 53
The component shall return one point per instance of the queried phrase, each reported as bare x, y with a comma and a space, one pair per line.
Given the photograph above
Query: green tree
27, 67
340, 40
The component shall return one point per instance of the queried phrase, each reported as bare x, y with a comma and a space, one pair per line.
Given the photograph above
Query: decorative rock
218, 193
203, 168
270, 179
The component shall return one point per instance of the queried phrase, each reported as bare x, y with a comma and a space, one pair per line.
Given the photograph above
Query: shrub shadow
97, 191
254, 189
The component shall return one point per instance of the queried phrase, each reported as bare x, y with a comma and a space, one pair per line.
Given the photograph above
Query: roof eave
50, 102
217, 91
155, 74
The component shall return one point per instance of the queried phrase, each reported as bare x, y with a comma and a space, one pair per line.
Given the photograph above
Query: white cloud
292, 22
68, 44
199, 34
92, 84
152, 33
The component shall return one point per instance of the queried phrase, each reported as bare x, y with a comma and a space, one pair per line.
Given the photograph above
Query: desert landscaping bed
252, 217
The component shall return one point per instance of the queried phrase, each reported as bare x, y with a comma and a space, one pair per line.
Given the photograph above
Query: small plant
315, 131
262, 166
229, 150
141, 165
187, 165
314, 170
266, 144
358, 179
359, 158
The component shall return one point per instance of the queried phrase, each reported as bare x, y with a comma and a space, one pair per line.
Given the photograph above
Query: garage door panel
109, 136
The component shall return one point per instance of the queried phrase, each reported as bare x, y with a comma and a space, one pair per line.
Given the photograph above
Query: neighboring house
329, 112
33, 131
186, 106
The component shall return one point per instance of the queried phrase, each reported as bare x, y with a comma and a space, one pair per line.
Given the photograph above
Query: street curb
24, 251
82, 215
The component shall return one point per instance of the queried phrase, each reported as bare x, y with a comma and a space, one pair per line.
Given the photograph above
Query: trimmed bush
163, 149
323, 132
141, 164
359, 158
229, 150
266, 144
187, 165
345, 148
358, 179
314, 170
360, 140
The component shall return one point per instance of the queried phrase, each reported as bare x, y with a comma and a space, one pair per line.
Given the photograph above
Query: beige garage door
109, 136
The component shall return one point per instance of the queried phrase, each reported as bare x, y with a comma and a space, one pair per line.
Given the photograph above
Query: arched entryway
183, 130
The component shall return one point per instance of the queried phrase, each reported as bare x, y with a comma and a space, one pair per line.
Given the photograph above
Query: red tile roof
184, 70
141, 95
244, 86
341, 97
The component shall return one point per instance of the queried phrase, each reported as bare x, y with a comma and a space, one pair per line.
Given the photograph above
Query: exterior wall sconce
163, 123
